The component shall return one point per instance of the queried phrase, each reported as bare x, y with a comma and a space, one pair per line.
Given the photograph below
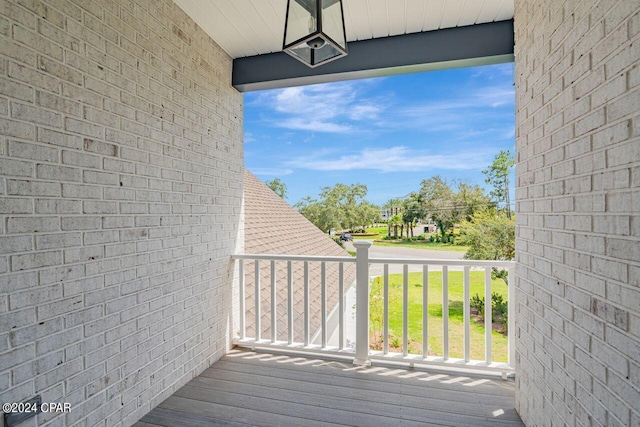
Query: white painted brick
100, 237
16, 356
57, 206
33, 151
104, 178
58, 103
13, 244
97, 89
80, 159
15, 206
16, 90
32, 188
81, 223
37, 260
32, 77
81, 191
32, 224
32, 369
9, 167
83, 128
83, 254
58, 173
61, 240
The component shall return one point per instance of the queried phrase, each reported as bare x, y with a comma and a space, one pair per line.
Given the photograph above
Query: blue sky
389, 133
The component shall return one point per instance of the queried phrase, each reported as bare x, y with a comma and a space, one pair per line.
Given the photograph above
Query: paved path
410, 253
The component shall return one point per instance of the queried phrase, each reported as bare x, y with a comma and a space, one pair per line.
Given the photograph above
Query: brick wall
120, 196
578, 198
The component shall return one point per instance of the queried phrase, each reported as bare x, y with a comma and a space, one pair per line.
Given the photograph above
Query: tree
440, 203
497, 175
394, 222
340, 206
317, 213
392, 206
413, 209
490, 234
469, 199
278, 187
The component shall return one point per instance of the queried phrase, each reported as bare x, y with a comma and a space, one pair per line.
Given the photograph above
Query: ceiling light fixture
314, 32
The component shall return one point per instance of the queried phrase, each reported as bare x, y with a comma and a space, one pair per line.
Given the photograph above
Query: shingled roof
272, 226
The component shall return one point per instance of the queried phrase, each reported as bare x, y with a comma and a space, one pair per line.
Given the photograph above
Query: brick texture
578, 165
120, 205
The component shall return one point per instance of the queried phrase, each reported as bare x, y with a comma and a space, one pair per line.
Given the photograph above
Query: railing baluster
243, 332
467, 316
341, 306
257, 299
290, 302
488, 327
273, 303
306, 303
511, 316
445, 312
323, 296
405, 310
385, 334
425, 311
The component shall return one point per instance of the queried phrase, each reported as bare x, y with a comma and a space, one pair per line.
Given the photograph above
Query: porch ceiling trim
480, 44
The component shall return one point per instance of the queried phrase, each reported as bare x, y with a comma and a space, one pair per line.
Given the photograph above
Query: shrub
338, 241
499, 308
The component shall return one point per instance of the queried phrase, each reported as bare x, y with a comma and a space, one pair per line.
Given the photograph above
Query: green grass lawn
425, 244
382, 232
420, 244
456, 327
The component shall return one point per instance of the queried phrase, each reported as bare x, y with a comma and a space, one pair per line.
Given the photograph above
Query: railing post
511, 317
362, 302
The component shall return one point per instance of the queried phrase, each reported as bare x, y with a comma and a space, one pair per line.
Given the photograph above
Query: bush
338, 241
499, 308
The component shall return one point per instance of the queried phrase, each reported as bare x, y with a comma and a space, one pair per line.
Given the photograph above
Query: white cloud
270, 171
393, 159
314, 126
248, 137
320, 108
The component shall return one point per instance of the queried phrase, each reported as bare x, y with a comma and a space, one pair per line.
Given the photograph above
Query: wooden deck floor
262, 389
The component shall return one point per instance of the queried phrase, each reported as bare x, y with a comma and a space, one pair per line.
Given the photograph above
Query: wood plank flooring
261, 389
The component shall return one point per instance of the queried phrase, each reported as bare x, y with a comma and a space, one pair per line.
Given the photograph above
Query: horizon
385, 133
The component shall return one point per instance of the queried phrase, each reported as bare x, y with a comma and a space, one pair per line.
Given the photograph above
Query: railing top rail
316, 258
450, 262
274, 257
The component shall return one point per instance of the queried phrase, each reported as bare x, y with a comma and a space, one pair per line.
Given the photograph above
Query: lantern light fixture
314, 31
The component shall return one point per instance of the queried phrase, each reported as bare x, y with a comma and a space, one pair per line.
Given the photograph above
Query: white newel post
362, 302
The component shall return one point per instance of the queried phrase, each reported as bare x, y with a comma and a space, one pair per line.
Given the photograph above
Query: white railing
363, 354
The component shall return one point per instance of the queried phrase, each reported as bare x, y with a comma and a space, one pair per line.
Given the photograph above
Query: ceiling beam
480, 44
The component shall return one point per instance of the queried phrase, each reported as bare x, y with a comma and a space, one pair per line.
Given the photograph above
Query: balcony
304, 362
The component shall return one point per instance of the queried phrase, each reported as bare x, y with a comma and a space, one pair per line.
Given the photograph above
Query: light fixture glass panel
301, 21
332, 21
325, 52
302, 52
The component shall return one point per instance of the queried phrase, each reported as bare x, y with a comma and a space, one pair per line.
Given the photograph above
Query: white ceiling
253, 27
